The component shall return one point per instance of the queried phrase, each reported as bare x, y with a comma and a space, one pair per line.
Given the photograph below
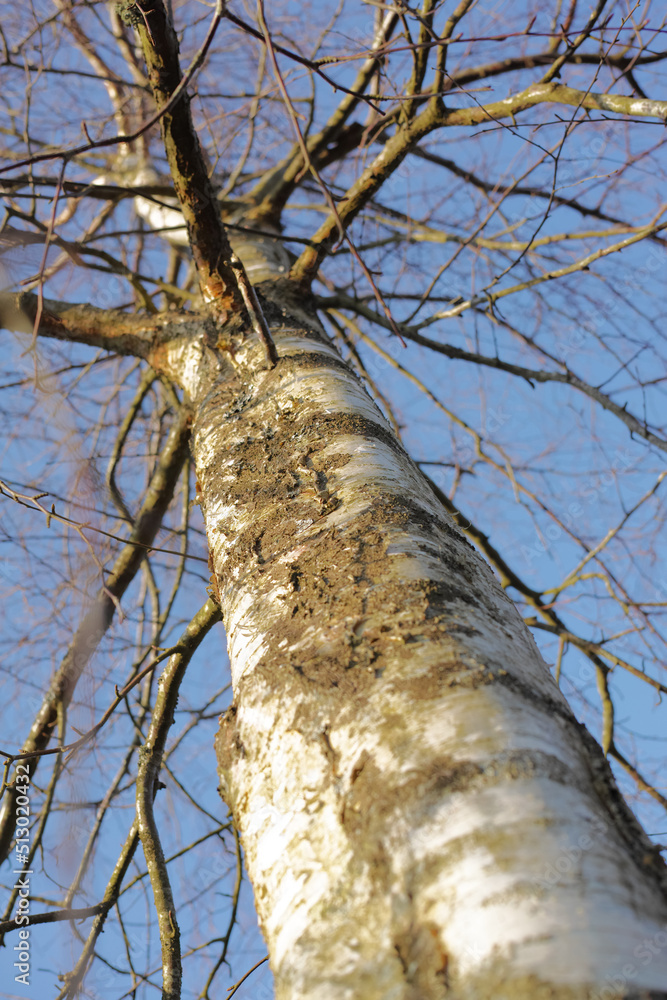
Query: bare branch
150, 762
99, 617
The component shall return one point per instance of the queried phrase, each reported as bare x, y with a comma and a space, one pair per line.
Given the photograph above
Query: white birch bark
264, 258
421, 814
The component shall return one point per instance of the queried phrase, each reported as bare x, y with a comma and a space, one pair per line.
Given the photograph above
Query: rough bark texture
421, 814
262, 256
210, 247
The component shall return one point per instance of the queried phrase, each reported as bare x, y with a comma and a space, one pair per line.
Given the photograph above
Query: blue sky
549, 440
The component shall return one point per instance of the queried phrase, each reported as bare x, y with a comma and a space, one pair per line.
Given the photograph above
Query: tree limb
150, 762
210, 246
434, 116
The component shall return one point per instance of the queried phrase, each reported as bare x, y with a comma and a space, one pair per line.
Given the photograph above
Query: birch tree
374, 291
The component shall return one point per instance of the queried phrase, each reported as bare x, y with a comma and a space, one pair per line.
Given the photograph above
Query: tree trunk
422, 816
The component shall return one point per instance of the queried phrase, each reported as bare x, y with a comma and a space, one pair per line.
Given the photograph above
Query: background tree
471, 199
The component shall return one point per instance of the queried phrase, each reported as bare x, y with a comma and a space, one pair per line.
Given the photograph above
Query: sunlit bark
421, 814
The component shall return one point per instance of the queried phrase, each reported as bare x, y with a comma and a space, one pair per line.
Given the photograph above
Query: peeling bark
421, 814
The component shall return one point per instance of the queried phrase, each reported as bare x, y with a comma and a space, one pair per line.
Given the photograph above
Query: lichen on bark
397, 757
